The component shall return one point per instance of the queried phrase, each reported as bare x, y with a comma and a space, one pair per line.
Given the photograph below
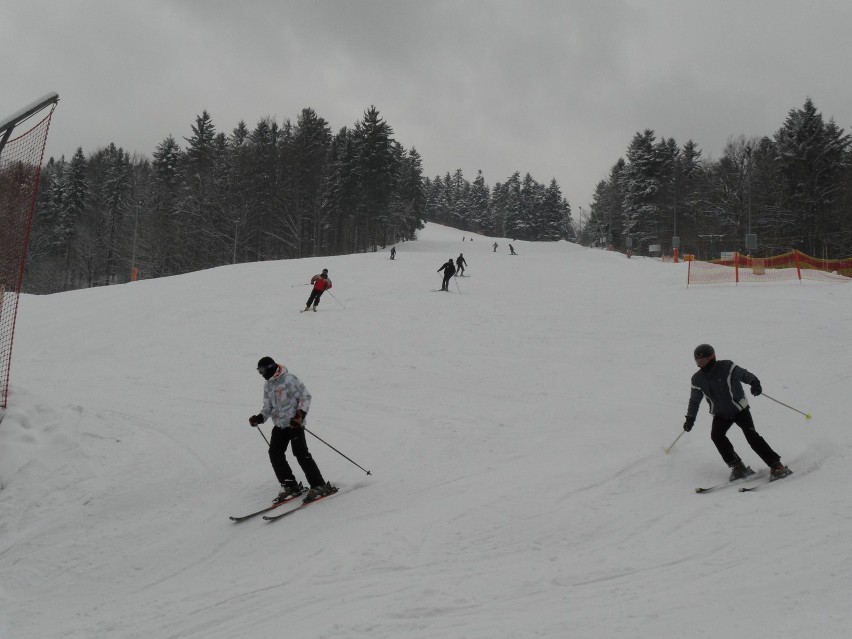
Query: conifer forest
292, 190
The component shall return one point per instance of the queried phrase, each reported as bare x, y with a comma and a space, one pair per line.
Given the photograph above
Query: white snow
515, 430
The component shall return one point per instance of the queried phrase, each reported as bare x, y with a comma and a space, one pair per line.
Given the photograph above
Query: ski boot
288, 491
739, 471
319, 491
778, 471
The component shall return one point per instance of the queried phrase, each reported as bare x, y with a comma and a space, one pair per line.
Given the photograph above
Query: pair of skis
301, 506
281, 503
745, 489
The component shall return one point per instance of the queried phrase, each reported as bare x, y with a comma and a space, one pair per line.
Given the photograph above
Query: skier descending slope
287, 401
321, 284
721, 383
449, 270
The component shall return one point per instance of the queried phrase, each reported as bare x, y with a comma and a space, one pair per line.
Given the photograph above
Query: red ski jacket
321, 283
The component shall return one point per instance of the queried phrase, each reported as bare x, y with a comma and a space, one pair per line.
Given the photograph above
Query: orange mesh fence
20, 168
794, 265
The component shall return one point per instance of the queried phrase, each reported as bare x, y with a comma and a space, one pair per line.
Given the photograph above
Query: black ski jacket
449, 269
721, 384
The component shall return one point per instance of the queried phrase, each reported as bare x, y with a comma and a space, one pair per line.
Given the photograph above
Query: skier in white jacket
287, 401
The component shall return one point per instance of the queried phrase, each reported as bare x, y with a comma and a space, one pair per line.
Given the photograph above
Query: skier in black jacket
460, 264
449, 270
720, 382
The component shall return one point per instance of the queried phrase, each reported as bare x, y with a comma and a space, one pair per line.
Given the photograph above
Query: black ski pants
314, 298
719, 430
278, 441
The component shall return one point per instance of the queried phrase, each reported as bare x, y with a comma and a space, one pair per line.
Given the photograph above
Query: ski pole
262, 435
457, 283
807, 415
669, 449
335, 299
337, 451
295, 285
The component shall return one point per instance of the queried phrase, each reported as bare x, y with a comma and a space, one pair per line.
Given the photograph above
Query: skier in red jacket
321, 284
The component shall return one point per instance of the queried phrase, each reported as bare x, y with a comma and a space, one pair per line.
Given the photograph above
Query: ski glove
688, 424
254, 420
298, 419
755, 388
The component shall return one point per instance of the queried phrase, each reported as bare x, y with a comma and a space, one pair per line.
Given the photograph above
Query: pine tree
459, 189
310, 156
813, 156
515, 222
410, 205
342, 194
555, 214
641, 188
378, 171
480, 216
197, 194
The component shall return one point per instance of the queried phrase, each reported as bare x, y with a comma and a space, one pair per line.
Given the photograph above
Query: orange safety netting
794, 265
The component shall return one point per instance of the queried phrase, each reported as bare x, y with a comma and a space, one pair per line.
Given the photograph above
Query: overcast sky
554, 88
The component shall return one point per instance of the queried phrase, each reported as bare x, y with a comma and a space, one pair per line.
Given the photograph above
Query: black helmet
704, 350
266, 366
704, 354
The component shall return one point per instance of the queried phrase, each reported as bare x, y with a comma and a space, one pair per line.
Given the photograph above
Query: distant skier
287, 401
512, 250
321, 285
721, 383
449, 271
460, 264
495, 247
393, 252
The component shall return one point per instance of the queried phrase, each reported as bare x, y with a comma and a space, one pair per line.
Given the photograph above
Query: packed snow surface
514, 429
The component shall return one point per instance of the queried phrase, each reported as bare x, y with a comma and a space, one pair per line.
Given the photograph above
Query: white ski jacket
283, 395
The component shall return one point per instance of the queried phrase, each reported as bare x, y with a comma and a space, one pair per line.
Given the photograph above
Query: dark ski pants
446, 284
278, 441
314, 298
719, 430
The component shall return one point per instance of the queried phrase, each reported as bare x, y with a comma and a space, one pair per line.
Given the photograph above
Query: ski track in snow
514, 431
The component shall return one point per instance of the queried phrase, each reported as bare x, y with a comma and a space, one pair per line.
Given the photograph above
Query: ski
741, 480
268, 508
747, 489
300, 506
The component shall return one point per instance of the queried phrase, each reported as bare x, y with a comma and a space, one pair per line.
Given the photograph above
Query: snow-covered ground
514, 428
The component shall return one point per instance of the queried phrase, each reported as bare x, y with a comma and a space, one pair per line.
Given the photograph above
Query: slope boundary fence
794, 265
20, 169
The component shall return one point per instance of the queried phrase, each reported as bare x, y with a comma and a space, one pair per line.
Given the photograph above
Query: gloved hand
254, 420
298, 419
688, 424
755, 388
